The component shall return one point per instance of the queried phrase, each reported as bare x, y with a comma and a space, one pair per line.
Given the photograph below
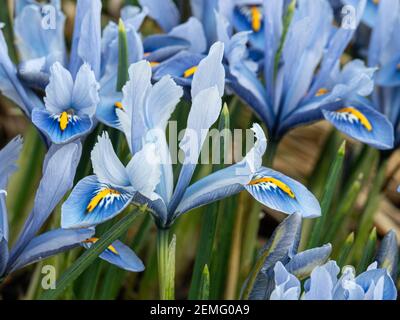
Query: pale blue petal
86, 42
49, 244
106, 165
59, 90
287, 286
321, 285
59, 169
121, 256
33, 40
193, 32
371, 278
144, 171
205, 110
210, 71
164, 12
85, 96
225, 182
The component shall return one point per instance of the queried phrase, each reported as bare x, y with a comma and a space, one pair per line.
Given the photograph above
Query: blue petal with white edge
49, 244
279, 192
92, 202
50, 124
119, 255
361, 122
164, 12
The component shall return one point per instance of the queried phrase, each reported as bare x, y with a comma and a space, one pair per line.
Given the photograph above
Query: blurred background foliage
364, 197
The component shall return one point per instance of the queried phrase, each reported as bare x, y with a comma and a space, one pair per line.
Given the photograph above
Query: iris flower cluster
281, 57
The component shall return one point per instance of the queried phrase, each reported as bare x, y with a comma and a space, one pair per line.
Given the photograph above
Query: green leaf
87, 258
204, 293
123, 58
345, 250
369, 252
330, 187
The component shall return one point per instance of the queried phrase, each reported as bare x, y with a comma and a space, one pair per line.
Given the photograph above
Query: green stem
87, 258
166, 286
271, 153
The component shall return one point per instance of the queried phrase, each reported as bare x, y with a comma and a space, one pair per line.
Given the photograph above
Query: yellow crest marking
256, 17
376, 1
281, 185
154, 63
321, 92
119, 105
110, 247
363, 119
63, 121
100, 196
189, 72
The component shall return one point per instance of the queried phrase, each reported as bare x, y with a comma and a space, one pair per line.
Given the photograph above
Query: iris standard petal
361, 122
106, 164
164, 12
92, 202
192, 31
52, 125
59, 90
206, 107
279, 192
119, 255
86, 41
85, 96
49, 244
144, 171
210, 71
321, 285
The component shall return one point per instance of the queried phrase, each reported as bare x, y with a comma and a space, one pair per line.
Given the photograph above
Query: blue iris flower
69, 104
58, 174
143, 117
323, 284
384, 53
304, 83
71, 95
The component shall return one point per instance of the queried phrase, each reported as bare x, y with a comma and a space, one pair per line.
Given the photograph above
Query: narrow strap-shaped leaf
86, 259
331, 184
123, 63
204, 293
369, 252
345, 250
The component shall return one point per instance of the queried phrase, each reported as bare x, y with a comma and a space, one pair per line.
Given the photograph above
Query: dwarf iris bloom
295, 93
